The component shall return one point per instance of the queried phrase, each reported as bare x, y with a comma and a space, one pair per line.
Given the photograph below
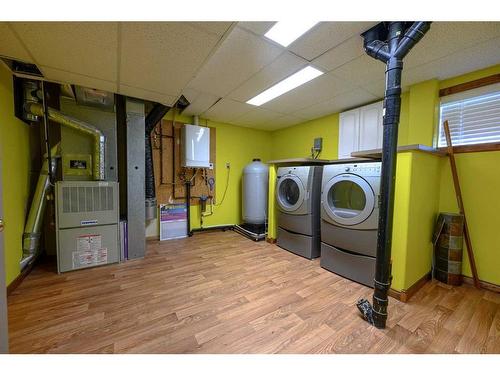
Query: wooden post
458, 193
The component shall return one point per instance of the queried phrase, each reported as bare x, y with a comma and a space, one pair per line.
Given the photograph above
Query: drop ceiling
218, 66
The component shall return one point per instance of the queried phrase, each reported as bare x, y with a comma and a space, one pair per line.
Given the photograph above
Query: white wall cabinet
360, 129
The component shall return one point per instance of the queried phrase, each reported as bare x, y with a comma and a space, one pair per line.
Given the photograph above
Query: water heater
195, 150
254, 183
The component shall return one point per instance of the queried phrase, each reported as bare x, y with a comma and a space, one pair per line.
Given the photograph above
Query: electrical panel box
318, 144
195, 150
87, 224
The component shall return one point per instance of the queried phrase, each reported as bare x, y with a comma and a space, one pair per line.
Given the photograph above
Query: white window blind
473, 117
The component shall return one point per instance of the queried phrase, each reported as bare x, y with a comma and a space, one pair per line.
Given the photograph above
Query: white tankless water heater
195, 150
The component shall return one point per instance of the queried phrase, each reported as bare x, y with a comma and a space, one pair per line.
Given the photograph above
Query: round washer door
290, 193
348, 199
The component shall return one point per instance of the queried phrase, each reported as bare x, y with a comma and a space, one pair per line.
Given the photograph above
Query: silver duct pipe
32, 229
84, 127
196, 120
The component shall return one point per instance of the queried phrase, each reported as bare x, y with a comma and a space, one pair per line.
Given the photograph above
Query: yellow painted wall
15, 157
401, 219
422, 111
296, 141
238, 146
423, 183
480, 183
272, 226
422, 212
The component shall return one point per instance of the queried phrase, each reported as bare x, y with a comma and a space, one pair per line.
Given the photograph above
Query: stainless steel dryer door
348, 199
290, 193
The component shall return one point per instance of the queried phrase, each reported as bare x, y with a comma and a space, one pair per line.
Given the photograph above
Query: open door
4, 333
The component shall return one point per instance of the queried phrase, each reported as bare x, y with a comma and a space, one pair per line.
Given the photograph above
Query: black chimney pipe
153, 117
388, 42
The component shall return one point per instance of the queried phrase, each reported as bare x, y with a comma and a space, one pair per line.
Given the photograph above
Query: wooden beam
490, 80
458, 193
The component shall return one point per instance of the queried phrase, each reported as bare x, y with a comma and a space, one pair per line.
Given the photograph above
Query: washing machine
349, 219
298, 197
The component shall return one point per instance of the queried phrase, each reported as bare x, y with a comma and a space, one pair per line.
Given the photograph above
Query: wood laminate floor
222, 293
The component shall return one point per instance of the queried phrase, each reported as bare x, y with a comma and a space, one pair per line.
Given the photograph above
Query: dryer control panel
362, 169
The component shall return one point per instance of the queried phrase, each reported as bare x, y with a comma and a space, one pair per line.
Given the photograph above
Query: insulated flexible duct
153, 117
31, 236
82, 126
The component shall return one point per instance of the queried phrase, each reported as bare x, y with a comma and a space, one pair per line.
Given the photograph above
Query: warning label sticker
89, 251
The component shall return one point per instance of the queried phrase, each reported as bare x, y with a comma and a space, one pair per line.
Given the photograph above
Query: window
473, 116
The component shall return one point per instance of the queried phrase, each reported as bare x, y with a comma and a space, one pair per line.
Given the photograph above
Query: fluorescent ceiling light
295, 80
285, 32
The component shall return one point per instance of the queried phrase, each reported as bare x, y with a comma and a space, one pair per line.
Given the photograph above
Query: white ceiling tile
377, 87
217, 28
284, 66
226, 110
445, 38
257, 27
340, 103
61, 76
285, 121
362, 70
319, 89
10, 45
325, 36
239, 56
341, 54
199, 101
162, 56
87, 48
467, 60
257, 116
141, 93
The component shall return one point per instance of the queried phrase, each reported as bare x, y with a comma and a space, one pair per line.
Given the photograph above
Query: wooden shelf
305, 161
308, 161
377, 153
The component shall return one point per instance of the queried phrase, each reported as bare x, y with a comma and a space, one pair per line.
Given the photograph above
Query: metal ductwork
153, 117
388, 42
31, 236
82, 126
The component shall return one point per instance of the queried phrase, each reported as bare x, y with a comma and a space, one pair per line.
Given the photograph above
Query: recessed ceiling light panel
285, 32
295, 80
